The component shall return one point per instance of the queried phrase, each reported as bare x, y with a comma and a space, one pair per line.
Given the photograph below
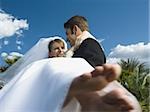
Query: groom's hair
52, 42
80, 21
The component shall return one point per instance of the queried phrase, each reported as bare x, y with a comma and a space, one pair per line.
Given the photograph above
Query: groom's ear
74, 30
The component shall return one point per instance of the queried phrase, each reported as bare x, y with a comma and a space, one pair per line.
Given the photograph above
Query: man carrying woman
88, 84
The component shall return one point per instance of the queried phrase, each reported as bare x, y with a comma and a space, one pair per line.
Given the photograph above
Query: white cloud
19, 47
139, 50
4, 54
10, 25
11, 55
113, 60
6, 42
18, 42
16, 54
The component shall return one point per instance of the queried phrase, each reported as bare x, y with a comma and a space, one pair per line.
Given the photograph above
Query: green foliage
3, 68
9, 60
2, 83
136, 78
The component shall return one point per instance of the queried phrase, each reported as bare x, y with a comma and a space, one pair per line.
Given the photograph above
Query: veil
37, 52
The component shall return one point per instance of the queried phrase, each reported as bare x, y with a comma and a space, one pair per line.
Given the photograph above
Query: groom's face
71, 37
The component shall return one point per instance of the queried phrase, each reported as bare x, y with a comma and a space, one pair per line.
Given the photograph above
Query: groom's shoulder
90, 42
90, 39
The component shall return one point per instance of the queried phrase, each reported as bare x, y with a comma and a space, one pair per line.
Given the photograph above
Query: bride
37, 83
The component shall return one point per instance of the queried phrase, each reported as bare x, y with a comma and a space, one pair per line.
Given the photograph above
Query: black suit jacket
91, 51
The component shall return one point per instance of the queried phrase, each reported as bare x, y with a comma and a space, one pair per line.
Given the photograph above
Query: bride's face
57, 49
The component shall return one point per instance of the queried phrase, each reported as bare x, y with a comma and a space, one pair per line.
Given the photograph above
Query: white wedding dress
42, 86
38, 84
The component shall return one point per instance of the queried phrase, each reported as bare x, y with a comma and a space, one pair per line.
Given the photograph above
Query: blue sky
118, 22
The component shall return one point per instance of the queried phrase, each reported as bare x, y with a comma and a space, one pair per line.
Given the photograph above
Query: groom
84, 45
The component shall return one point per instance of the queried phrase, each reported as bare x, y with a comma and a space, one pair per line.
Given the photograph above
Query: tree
9, 59
136, 78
